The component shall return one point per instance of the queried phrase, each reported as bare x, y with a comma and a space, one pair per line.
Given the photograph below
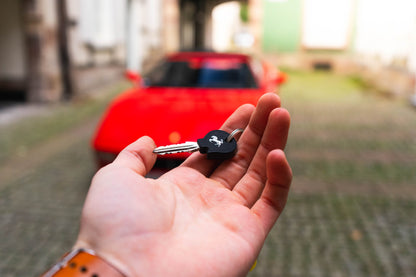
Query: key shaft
217, 144
189, 146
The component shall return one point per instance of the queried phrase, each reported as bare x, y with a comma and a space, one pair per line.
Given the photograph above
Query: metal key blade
188, 146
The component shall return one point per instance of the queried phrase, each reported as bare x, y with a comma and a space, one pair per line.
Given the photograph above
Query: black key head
215, 145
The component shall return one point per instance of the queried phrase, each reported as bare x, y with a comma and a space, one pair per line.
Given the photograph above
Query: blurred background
350, 91
50, 50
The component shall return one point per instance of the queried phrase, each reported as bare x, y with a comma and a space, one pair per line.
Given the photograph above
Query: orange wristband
82, 262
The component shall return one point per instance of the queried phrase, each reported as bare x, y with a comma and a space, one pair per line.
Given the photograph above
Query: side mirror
281, 78
133, 77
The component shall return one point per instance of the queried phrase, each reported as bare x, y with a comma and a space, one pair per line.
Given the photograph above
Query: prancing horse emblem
216, 141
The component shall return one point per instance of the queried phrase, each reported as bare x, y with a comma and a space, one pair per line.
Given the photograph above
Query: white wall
98, 33
102, 22
326, 24
144, 31
225, 24
386, 30
122, 29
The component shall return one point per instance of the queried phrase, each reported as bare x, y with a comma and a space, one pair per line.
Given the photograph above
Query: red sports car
183, 98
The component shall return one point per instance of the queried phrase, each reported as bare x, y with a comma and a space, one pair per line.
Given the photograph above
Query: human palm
203, 218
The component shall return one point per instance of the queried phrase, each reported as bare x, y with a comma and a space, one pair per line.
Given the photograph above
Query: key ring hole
233, 133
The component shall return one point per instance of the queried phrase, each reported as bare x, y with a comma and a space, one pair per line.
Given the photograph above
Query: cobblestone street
40, 208
46, 165
353, 200
350, 212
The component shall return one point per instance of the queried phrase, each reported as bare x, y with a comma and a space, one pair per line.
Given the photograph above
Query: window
202, 74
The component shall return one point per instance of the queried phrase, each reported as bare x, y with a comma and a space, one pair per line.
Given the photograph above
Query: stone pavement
40, 208
351, 211
44, 178
42, 189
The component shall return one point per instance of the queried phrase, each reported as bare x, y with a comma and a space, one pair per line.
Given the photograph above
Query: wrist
83, 262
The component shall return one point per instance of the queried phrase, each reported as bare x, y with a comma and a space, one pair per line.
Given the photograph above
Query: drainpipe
134, 58
63, 49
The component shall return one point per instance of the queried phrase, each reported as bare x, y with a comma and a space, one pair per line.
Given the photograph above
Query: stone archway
195, 22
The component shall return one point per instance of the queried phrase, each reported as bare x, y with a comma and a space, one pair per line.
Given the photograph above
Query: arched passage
230, 30
196, 22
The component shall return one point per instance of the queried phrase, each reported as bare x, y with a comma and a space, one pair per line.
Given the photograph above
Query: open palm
202, 218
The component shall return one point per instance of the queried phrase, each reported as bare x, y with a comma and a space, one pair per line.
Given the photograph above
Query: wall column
44, 81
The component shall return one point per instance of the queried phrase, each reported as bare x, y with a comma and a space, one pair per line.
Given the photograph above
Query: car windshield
211, 73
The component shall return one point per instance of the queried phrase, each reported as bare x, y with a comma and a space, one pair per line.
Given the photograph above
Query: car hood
168, 115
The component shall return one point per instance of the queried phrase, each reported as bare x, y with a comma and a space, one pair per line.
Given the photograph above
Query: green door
282, 21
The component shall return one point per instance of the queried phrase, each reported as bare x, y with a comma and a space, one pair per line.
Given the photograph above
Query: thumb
138, 156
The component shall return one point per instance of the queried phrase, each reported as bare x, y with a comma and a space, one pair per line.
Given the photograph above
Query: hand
201, 218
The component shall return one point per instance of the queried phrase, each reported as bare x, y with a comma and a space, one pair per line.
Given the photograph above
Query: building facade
54, 49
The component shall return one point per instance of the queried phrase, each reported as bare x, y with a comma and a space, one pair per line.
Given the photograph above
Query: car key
216, 144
